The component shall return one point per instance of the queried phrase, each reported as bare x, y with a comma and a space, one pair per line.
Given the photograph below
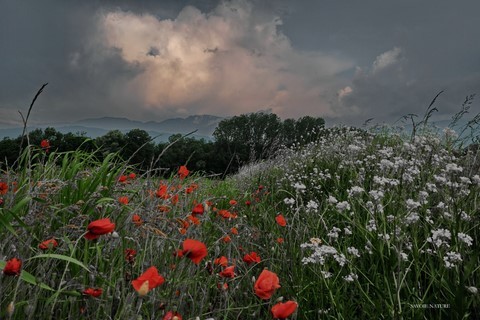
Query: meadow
354, 225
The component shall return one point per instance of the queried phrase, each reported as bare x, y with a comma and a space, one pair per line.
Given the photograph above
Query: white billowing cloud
344, 92
229, 61
387, 59
385, 90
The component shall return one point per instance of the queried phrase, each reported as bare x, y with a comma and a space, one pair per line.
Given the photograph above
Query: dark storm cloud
346, 61
436, 41
51, 41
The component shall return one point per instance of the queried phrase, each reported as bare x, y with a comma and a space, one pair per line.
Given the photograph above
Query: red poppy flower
122, 179
252, 257
281, 220
137, 220
198, 209
228, 272
194, 219
284, 310
45, 145
226, 239
266, 284
123, 200
234, 230
174, 199
227, 214
194, 250
223, 286
3, 188
172, 315
151, 278
183, 172
130, 255
232, 202
223, 261
99, 227
132, 176
248, 203
48, 244
280, 240
162, 192
93, 292
13, 267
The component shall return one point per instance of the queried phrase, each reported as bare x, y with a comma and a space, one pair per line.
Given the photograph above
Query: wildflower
149, 280
123, 200
93, 292
12, 267
232, 202
350, 277
183, 172
162, 192
172, 315
198, 209
3, 188
281, 220
234, 230
223, 286
465, 238
132, 176
137, 220
223, 261
45, 145
130, 255
472, 290
122, 179
284, 310
193, 219
226, 239
266, 284
227, 214
451, 258
48, 244
194, 250
252, 257
248, 203
353, 251
174, 199
99, 227
280, 240
228, 272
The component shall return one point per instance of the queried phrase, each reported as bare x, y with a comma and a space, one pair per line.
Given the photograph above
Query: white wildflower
451, 259
350, 277
342, 206
472, 290
465, 238
353, 251
332, 200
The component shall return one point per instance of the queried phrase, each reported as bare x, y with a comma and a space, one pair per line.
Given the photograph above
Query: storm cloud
148, 60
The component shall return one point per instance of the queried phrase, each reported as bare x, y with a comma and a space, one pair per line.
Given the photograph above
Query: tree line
237, 141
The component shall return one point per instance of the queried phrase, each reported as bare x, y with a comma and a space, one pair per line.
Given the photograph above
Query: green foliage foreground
376, 226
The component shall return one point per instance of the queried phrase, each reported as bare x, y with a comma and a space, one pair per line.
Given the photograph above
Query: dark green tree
139, 148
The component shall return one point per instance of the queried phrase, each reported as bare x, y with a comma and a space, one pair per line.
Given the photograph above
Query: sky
345, 61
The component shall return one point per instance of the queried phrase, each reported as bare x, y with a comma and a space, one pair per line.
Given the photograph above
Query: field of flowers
355, 225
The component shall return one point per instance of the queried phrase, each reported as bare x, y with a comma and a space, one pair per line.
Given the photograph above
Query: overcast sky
346, 61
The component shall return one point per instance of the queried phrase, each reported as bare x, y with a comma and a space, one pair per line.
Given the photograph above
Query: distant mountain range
96, 127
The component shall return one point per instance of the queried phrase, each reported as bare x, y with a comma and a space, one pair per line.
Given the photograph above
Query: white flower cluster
321, 253
451, 259
440, 237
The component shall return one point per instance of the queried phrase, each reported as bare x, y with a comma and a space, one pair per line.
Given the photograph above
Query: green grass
360, 210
